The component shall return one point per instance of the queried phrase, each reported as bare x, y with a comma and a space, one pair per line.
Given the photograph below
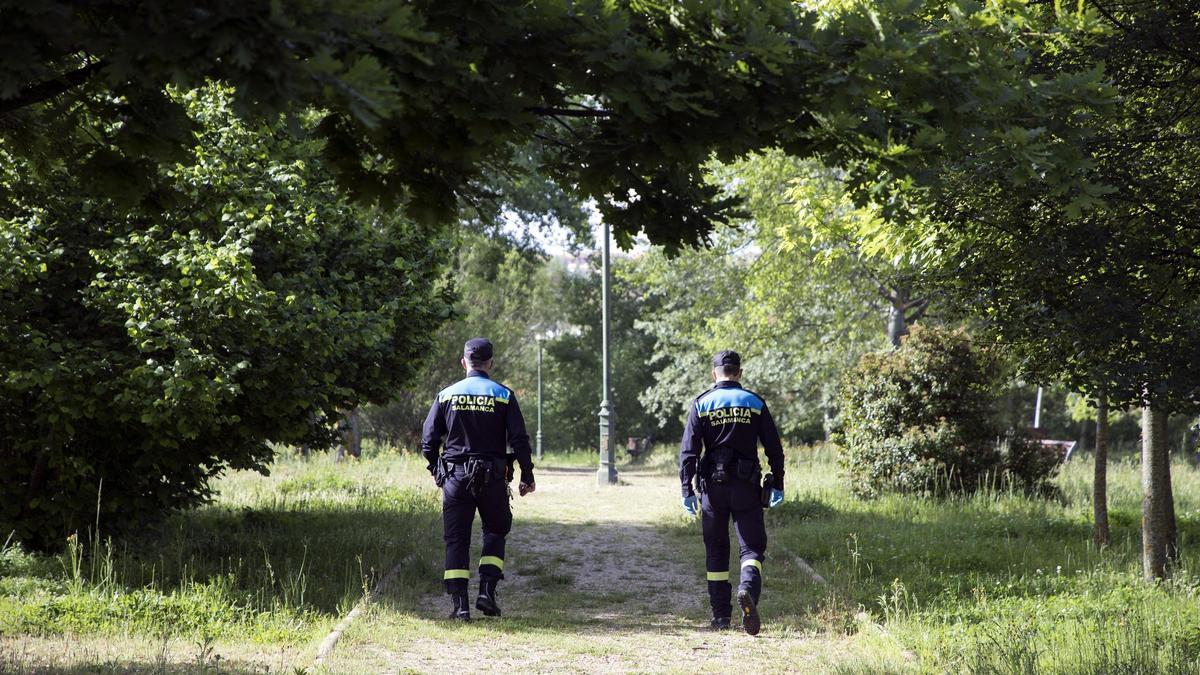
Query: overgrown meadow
994, 582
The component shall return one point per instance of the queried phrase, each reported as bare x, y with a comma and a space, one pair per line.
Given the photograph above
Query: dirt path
594, 583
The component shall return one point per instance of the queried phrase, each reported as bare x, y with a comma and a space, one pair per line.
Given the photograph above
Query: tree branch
47, 90
569, 112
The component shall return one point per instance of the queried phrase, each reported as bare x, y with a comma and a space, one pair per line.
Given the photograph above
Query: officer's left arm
518, 438
431, 435
768, 435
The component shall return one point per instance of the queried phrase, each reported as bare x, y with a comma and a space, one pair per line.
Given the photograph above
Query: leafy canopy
421, 101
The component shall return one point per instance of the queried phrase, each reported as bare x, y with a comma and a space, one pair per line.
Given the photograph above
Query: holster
441, 471
479, 472
768, 486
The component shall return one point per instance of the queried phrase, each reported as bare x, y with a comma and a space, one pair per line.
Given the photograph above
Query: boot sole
750, 619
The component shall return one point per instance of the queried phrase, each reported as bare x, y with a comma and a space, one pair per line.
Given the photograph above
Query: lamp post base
606, 475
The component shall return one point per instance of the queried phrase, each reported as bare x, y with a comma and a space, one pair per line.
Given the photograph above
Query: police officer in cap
476, 418
720, 450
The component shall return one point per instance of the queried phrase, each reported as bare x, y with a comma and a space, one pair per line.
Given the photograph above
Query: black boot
486, 602
719, 623
461, 608
750, 621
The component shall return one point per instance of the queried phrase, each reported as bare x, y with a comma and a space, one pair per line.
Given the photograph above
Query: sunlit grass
993, 582
274, 560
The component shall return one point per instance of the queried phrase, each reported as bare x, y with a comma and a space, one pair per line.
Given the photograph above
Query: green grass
274, 561
994, 582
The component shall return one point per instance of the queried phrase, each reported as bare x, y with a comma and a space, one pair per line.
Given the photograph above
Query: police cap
727, 357
478, 350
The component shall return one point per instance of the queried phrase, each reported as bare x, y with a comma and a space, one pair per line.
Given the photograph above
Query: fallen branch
335, 635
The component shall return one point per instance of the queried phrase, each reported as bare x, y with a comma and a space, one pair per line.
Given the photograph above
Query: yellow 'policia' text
472, 403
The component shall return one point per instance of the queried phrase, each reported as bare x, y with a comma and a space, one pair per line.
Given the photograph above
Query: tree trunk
1100, 478
1158, 508
897, 322
354, 444
1172, 528
351, 436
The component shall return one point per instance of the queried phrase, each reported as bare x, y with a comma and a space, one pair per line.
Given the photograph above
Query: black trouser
740, 500
458, 516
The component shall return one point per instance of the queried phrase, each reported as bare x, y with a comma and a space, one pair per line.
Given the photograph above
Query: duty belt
477, 470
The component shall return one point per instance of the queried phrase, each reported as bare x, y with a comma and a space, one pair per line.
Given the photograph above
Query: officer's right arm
689, 451
431, 435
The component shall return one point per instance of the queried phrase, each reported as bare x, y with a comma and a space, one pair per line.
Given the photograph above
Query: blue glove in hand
690, 504
776, 498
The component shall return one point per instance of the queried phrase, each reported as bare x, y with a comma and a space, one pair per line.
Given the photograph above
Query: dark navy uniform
720, 449
475, 419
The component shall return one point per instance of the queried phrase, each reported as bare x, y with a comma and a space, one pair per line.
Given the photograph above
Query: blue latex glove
776, 498
691, 504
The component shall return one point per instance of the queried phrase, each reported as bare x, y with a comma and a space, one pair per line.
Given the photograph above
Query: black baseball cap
477, 349
727, 357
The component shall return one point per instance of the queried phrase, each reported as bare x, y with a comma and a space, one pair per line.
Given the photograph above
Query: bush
148, 348
922, 419
1030, 465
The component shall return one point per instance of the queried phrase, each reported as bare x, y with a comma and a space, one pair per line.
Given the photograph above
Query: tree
502, 291
789, 289
421, 100
1100, 533
147, 350
1099, 288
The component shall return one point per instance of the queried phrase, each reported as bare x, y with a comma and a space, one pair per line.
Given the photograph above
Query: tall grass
274, 560
993, 582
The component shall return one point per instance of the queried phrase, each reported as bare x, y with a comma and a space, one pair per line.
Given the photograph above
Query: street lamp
607, 474
540, 337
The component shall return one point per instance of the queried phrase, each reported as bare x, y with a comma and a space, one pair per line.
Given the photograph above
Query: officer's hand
776, 498
526, 488
690, 503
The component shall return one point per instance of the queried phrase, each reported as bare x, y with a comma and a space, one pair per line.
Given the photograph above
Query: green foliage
502, 291
783, 290
1096, 288
149, 348
513, 294
573, 373
922, 419
423, 101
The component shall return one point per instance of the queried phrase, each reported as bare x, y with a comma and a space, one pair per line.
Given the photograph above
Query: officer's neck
727, 383
475, 372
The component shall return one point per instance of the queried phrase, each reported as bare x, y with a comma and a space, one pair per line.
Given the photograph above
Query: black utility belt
460, 463
724, 467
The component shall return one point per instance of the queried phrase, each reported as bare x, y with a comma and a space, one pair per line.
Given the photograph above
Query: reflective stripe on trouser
458, 517
718, 504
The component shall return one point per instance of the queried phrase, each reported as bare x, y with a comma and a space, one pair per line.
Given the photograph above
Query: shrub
146, 349
1030, 465
922, 419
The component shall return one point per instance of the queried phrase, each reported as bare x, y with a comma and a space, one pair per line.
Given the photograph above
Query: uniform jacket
728, 416
476, 416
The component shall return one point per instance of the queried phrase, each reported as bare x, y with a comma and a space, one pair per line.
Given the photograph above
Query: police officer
720, 449
476, 418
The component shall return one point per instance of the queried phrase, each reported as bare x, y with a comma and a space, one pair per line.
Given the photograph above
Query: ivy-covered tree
146, 350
